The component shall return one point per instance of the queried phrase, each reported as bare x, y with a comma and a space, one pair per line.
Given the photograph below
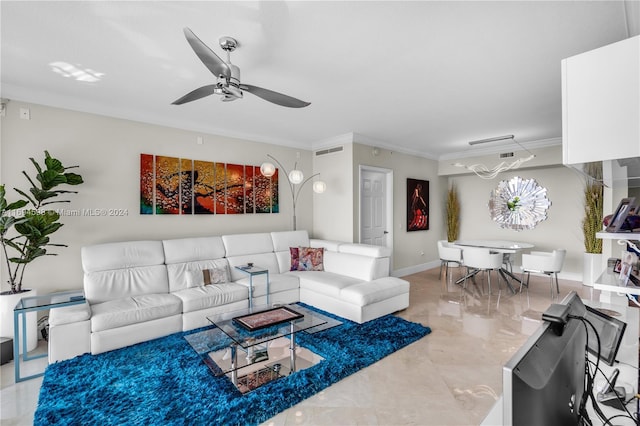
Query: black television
544, 382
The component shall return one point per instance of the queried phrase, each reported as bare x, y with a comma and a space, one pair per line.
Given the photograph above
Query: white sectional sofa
141, 290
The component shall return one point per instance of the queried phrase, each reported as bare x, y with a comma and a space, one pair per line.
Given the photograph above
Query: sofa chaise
140, 290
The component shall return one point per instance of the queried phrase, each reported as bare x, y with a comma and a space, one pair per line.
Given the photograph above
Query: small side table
253, 271
37, 303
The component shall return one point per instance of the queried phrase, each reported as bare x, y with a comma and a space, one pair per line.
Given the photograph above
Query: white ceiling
422, 77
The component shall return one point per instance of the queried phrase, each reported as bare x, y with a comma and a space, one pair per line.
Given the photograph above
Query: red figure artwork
417, 205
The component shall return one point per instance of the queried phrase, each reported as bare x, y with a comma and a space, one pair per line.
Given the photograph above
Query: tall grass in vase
453, 214
593, 201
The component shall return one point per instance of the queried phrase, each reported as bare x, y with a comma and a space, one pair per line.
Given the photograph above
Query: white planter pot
591, 268
7, 303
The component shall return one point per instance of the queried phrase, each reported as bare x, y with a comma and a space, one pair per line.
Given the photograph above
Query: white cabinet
601, 103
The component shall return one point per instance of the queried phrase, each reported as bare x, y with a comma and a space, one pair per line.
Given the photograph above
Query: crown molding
510, 147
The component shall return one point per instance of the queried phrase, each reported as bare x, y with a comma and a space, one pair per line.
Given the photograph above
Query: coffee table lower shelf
249, 374
252, 358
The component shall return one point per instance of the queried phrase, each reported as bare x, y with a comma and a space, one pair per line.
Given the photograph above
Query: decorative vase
591, 268
7, 303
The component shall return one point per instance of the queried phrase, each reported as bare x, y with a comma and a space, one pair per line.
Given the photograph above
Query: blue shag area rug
165, 382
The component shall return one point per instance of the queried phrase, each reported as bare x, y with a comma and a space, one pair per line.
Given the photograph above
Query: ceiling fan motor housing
228, 44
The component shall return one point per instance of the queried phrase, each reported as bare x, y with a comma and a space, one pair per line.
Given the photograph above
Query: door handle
385, 232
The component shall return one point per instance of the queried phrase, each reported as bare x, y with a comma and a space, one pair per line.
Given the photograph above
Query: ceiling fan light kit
228, 84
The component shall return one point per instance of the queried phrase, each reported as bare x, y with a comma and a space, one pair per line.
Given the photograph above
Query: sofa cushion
202, 277
178, 273
197, 298
261, 260
365, 250
133, 310
370, 292
185, 250
69, 314
103, 286
326, 244
323, 282
130, 254
246, 244
351, 265
285, 239
117, 270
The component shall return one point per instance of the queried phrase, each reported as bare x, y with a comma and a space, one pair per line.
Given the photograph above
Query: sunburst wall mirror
519, 204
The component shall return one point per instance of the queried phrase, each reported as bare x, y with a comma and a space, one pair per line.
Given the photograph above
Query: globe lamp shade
296, 177
267, 169
319, 187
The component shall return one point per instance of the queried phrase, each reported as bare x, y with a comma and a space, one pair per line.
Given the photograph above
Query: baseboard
415, 268
570, 276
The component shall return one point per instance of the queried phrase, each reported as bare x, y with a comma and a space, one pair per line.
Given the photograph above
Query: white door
373, 208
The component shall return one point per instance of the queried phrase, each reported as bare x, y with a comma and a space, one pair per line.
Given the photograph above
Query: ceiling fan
228, 75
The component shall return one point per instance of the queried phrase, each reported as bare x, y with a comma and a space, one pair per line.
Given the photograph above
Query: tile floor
451, 377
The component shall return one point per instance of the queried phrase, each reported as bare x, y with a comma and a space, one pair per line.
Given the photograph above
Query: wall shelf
618, 235
609, 280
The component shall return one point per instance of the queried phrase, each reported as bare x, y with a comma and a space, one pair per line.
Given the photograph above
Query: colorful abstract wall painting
249, 204
167, 185
186, 186
146, 183
234, 190
170, 185
204, 187
262, 190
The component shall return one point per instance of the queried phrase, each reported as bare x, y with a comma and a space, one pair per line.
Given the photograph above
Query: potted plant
592, 222
25, 229
453, 214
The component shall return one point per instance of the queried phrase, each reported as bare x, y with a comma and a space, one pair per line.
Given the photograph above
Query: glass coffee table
245, 348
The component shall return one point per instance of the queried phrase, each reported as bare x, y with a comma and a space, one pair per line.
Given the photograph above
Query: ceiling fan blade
208, 57
275, 97
200, 92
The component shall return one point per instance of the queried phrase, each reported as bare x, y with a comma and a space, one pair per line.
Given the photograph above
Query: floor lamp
296, 181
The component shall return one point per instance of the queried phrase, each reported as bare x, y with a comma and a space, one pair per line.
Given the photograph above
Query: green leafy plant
26, 224
453, 214
593, 202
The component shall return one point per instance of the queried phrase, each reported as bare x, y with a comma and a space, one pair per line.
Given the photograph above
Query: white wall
108, 153
562, 229
408, 247
333, 210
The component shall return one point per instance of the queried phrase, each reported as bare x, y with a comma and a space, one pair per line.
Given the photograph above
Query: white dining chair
448, 254
481, 260
545, 263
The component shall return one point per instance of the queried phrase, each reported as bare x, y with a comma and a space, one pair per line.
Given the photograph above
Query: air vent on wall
506, 154
329, 150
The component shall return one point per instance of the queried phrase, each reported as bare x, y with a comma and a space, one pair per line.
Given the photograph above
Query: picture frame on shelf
624, 208
617, 266
628, 264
